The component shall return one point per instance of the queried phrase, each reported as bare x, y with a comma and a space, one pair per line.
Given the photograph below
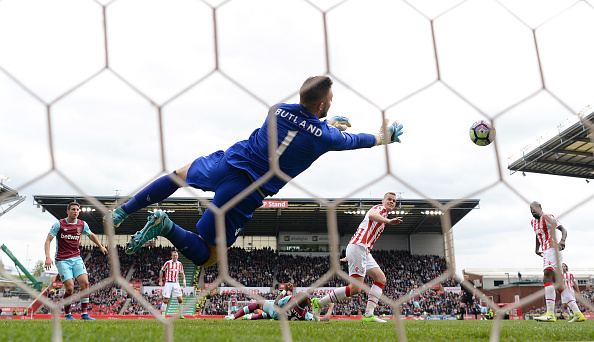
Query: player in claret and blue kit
70, 265
298, 312
302, 137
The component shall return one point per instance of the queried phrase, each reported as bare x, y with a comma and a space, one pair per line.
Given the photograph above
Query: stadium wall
385, 242
417, 244
427, 244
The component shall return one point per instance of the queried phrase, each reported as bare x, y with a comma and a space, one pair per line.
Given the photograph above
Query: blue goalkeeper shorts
214, 173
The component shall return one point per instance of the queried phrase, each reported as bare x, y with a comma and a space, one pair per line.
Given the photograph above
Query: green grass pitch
264, 330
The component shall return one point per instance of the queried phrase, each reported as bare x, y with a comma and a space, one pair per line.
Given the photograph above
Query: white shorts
172, 289
567, 296
549, 259
360, 261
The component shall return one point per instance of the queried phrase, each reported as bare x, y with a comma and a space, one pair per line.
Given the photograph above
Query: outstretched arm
328, 313
376, 217
388, 134
340, 122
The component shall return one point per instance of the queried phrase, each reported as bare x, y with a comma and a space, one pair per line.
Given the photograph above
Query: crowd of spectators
251, 268
403, 270
263, 268
305, 270
146, 263
266, 268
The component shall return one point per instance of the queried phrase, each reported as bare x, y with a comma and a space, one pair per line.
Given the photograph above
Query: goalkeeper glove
340, 122
394, 132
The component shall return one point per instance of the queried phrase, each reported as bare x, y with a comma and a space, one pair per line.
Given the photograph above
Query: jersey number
286, 142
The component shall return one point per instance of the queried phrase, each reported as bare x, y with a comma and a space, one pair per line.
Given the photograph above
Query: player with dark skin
547, 247
536, 211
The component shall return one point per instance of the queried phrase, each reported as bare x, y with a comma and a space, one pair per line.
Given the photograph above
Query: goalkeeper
302, 137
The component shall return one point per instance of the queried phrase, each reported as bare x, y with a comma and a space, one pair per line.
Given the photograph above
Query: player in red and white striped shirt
544, 226
568, 295
361, 262
173, 269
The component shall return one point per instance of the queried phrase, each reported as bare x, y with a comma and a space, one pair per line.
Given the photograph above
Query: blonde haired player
361, 261
173, 269
544, 226
568, 295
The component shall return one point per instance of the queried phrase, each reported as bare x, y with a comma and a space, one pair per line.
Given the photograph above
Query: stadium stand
267, 268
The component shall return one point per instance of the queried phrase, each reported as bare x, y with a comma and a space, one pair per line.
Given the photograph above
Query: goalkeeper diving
301, 137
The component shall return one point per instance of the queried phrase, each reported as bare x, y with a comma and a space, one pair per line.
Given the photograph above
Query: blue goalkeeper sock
155, 192
189, 244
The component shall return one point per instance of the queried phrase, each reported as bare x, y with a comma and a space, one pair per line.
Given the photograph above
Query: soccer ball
482, 133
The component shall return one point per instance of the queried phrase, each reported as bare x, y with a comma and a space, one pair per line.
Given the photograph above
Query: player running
361, 262
70, 265
568, 295
173, 269
301, 139
544, 226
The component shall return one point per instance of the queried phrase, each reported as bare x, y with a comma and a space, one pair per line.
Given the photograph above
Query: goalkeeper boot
547, 317
372, 318
87, 317
578, 317
118, 216
158, 224
316, 308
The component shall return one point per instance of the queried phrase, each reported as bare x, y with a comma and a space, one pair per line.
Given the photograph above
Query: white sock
550, 298
372, 299
163, 308
574, 307
335, 295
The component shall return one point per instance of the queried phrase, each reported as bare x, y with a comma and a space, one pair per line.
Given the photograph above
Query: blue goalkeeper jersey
302, 138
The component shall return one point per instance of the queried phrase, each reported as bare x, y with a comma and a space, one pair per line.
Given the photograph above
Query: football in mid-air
482, 133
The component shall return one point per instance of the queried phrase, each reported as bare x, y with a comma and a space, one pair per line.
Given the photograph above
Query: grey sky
105, 133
